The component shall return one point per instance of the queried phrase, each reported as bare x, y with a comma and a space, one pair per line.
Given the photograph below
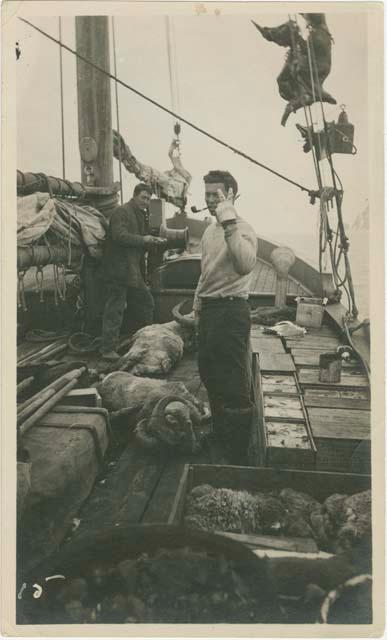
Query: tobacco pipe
195, 210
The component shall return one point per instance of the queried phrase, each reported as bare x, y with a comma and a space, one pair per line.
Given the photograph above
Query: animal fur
294, 82
170, 423
155, 349
165, 414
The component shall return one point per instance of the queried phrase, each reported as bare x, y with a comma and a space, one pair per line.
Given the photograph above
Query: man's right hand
154, 240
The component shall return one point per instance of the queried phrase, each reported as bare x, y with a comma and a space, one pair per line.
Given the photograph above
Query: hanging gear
21, 297
338, 250
39, 282
295, 83
341, 135
59, 272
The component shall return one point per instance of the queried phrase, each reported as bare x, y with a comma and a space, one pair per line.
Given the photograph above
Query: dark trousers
139, 312
224, 350
225, 370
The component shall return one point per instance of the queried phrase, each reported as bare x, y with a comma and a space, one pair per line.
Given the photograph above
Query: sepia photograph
192, 318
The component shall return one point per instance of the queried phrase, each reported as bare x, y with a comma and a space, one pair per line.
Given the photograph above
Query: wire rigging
61, 100
171, 65
345, 281
325, 229
172, 113
117, 107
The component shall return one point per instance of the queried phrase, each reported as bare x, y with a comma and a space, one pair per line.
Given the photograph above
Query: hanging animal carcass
171, 185
308, 62
165, 414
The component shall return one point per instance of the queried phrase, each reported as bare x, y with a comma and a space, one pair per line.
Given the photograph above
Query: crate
342, 437
82, 398
317, 484
282, 422
343, 455
310, 312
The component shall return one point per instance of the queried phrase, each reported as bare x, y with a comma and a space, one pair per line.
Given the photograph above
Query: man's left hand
225, 211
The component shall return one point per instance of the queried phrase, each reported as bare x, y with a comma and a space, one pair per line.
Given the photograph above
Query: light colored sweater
228, 258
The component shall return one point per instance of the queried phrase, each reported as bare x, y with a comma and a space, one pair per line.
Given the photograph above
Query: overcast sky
226, 84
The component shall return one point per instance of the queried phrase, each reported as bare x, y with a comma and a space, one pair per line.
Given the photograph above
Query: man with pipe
123, 270
229, 249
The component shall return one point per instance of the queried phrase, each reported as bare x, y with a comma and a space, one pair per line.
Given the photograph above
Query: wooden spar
45, 408
44, 352
24, 384
41, 398
29, 182
26, 408
41, 256
94, 101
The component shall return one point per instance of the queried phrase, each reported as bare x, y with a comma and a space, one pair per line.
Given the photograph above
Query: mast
95, 140
94, 106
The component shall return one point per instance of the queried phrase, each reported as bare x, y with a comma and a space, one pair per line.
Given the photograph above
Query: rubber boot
234, 433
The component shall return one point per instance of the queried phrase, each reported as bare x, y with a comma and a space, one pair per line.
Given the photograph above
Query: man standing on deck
229, 250
123, 269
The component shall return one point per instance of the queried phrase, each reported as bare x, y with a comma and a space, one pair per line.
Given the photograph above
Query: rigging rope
171, 66
325, 232
61, 100
172, 113
117, 107
347, 278
323, 222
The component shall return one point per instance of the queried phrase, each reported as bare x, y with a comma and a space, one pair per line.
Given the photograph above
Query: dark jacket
123, 260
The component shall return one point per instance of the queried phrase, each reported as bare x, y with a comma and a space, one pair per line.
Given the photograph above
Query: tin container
310, 312
330, 367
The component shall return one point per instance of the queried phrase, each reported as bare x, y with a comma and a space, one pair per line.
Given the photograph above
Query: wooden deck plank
282, 407
324, 330
277, 383
269, 344
310, 377
276, 362
344, 394
312, 358
316, 347
328, 400
341, 424
123, 496
160, 505
287, 435
313, 342
258, 331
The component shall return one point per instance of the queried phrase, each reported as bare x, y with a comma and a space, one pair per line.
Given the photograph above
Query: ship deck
301, 425
141, 488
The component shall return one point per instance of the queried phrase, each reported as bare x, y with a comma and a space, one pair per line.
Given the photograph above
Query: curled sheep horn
185, 434
185, 320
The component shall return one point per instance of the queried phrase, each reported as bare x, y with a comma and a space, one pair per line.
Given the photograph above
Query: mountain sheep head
170, 425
